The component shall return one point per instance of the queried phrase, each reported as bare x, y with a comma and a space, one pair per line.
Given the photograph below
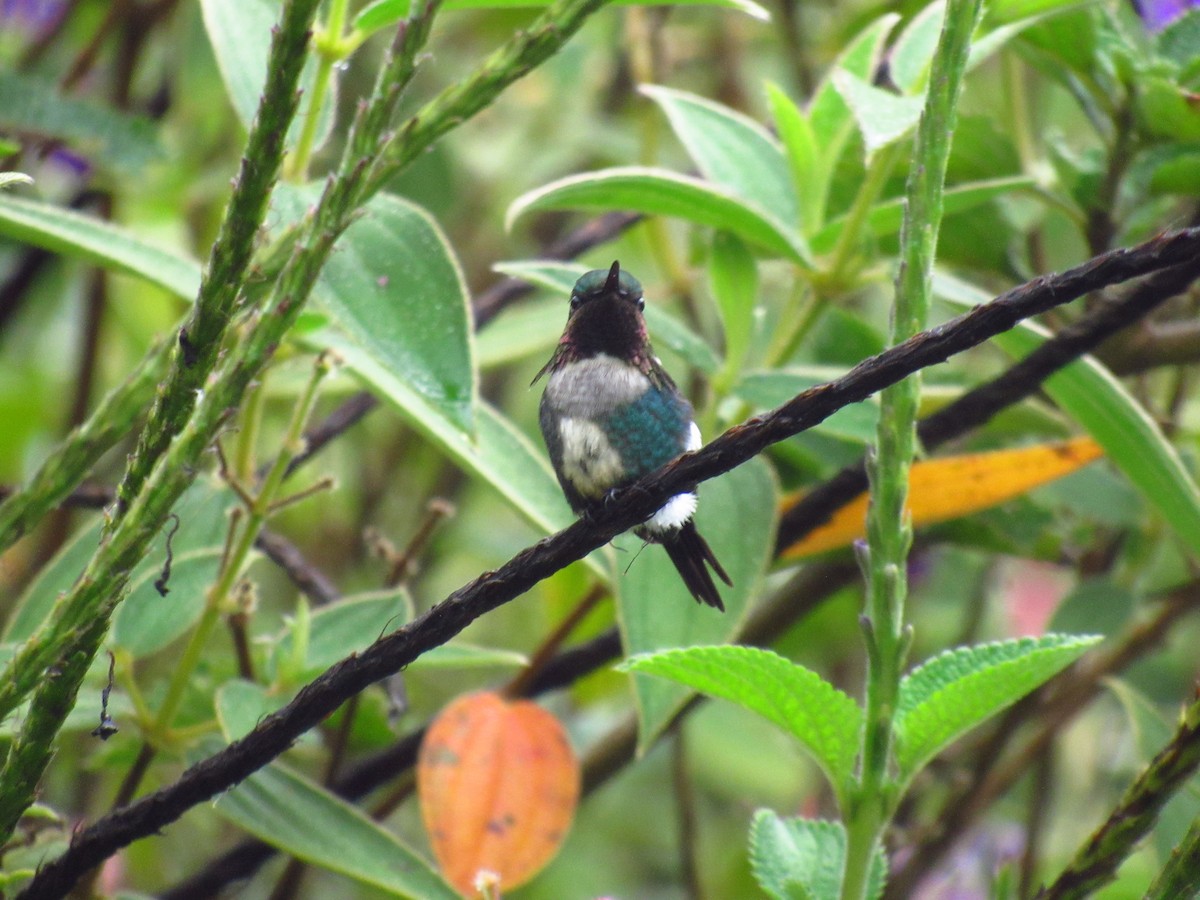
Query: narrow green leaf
240, 34
394, 285
803, 155
736, 515
952, 693
908, 62
106, 137
666, 331
883, 117
240, 705
383, 13
828, 112
521, 331
665, 193
83, 237
1091, 395
734, 277
293, 814
886, 216
825, 721
731, 150
461, 655
8, 179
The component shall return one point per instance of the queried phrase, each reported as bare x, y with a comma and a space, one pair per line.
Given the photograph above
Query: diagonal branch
631, 506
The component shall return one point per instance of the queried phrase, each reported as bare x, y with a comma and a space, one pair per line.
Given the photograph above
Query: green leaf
1093, 397
338, 629
8, 179
731, 150
885, 217
736, 515
83, 237
799, 858
734, 277
803, 155
240, 705
856, 423
828, 112
666, 331
520, 331
292, 813
240, 34
145, 621
383, 13
394, 286
461, 655
825, 721
911, 54
107, 138
665, 193
883, 117
952, 693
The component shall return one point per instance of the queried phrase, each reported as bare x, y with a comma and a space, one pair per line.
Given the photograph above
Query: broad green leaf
394, 286
292, 813
736, 515
883, 117
84, 237
885, 217
146, 621
911, 54
1090, 394
825, 721
856, 423
383, 13
953, 692
731, 150
798, 858
348, 626
803, 155
666, 331
105, 137
665, 193
240, 34
733, 274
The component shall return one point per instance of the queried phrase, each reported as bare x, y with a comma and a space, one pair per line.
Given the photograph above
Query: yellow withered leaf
954, 486
498, 784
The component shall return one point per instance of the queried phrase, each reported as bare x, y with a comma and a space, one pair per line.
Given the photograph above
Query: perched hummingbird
610, 415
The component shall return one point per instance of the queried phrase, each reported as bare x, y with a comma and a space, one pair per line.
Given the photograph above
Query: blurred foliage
768, 148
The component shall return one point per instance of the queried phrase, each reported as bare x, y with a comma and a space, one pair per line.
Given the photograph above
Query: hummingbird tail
690, 552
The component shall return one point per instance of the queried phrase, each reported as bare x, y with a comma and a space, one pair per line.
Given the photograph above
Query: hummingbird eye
641, 303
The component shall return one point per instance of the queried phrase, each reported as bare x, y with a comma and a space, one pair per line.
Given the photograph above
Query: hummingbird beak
613, 283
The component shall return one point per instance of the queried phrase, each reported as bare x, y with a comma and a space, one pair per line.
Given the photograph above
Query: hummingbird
610, 414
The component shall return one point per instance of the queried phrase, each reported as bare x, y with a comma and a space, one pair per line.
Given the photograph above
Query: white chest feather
589, 461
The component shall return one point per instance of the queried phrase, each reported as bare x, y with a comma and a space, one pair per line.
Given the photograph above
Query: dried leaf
954, 486
498, 784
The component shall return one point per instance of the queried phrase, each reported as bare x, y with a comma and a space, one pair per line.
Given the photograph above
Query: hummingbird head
606, 315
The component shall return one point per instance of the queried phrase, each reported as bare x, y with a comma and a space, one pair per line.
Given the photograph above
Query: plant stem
330, 51
889, 532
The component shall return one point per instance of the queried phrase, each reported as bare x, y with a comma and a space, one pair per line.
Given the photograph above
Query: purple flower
1160, 13
35, 14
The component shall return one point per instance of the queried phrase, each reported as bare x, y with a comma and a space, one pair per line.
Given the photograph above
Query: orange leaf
941, 489
498, 784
